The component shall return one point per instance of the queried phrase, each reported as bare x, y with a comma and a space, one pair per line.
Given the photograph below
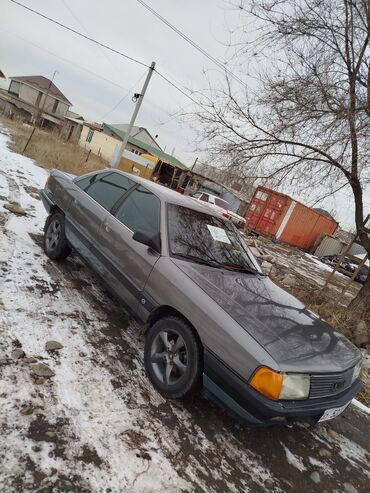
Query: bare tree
306, 118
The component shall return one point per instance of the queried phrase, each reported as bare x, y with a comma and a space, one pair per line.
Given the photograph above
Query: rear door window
107, 188
141, 210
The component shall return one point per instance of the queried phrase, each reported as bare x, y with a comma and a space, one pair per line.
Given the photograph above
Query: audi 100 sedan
213, 319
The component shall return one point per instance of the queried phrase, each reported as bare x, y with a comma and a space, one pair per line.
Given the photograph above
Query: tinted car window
204, 197
222, 203
207, 239
88, 180
107, 188
141, 210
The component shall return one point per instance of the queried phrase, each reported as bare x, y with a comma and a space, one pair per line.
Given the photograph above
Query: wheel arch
53, 210
169, 311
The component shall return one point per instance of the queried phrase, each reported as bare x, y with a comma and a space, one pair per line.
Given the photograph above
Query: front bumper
249, 405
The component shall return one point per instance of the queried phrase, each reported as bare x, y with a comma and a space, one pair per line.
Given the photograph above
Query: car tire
55, 242
173, 358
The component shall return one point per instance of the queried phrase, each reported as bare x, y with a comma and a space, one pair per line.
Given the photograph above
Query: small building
35, 97
139, 157
282, 218
138, 133
72, 128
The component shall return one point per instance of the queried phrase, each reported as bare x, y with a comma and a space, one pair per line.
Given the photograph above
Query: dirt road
97, 425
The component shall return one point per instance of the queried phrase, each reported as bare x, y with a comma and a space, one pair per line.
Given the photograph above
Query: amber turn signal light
267, 382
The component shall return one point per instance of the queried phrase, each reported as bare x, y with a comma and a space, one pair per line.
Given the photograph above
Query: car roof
168, 195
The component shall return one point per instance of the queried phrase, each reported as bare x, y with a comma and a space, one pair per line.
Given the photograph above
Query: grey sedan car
213, 319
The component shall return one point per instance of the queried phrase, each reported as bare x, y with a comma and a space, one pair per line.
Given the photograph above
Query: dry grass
50, 151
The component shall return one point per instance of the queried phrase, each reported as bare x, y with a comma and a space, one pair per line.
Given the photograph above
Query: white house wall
101, 144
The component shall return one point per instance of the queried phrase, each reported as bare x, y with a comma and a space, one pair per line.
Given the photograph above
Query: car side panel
169, 286
129, 263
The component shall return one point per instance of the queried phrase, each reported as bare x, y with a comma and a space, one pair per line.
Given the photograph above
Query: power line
182, 91
192, 43
80, 34
64, 59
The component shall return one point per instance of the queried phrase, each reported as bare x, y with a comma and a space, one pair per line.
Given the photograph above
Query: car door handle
107, 228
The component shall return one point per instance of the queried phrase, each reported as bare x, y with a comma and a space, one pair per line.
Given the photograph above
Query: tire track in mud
206, 447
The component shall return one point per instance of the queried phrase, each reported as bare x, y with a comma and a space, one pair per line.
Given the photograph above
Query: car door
130, 263
92, 199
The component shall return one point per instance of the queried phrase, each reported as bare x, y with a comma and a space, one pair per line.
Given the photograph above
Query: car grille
326, 385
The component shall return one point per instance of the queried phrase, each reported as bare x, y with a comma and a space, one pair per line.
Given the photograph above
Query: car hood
296, 338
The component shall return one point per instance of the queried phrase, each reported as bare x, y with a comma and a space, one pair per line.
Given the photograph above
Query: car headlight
276, 385
356, 371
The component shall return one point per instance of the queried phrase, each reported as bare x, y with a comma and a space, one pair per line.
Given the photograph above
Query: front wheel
55, 242
173, 358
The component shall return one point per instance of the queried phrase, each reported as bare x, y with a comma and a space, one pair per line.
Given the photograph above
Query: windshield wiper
199, 260
240, 268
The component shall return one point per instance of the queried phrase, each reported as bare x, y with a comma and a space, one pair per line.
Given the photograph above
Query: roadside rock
18, 353
315, 476
41, 370
53, 346
15, 209
26, 410
266, 267
323, 452
31, 359
39, 381
332, 433
289, 281
349, 488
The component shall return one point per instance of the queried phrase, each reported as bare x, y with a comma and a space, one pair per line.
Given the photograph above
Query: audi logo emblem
336, 386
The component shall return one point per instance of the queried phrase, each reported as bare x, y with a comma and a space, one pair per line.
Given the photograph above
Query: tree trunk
359, 309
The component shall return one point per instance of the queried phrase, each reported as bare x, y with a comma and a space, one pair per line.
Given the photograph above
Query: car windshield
206, 239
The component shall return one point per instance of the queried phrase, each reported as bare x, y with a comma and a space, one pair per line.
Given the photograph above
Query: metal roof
135, 131
163, 156
42, 84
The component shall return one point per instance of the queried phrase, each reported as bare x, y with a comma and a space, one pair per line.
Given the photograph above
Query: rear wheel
173, 358
55, 242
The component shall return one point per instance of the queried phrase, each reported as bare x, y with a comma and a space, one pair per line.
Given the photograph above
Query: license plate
333, 413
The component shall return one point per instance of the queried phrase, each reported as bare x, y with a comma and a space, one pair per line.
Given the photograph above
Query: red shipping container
280, 217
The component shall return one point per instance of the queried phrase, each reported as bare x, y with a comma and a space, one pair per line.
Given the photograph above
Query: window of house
14, 87
141, 211
106, 188
89, 135
55, 106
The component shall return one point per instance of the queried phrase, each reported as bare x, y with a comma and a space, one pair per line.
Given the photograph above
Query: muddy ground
97, 425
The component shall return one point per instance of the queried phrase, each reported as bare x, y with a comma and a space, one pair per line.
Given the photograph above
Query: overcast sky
96, 80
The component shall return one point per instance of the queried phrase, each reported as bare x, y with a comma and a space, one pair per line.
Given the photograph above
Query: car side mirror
152, 241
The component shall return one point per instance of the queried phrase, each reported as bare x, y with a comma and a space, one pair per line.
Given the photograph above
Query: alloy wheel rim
53, 235
169, 356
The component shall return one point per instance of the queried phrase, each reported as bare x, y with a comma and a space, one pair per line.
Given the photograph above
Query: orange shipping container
280, 217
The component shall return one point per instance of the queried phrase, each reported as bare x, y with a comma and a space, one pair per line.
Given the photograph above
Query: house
107, 140
72, 127
138, 133
35, 97
139, 156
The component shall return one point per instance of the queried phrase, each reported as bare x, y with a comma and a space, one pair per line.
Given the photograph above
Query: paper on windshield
218, 234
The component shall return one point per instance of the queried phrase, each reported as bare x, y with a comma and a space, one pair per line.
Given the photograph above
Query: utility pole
195, 162
116, 158
39, 112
